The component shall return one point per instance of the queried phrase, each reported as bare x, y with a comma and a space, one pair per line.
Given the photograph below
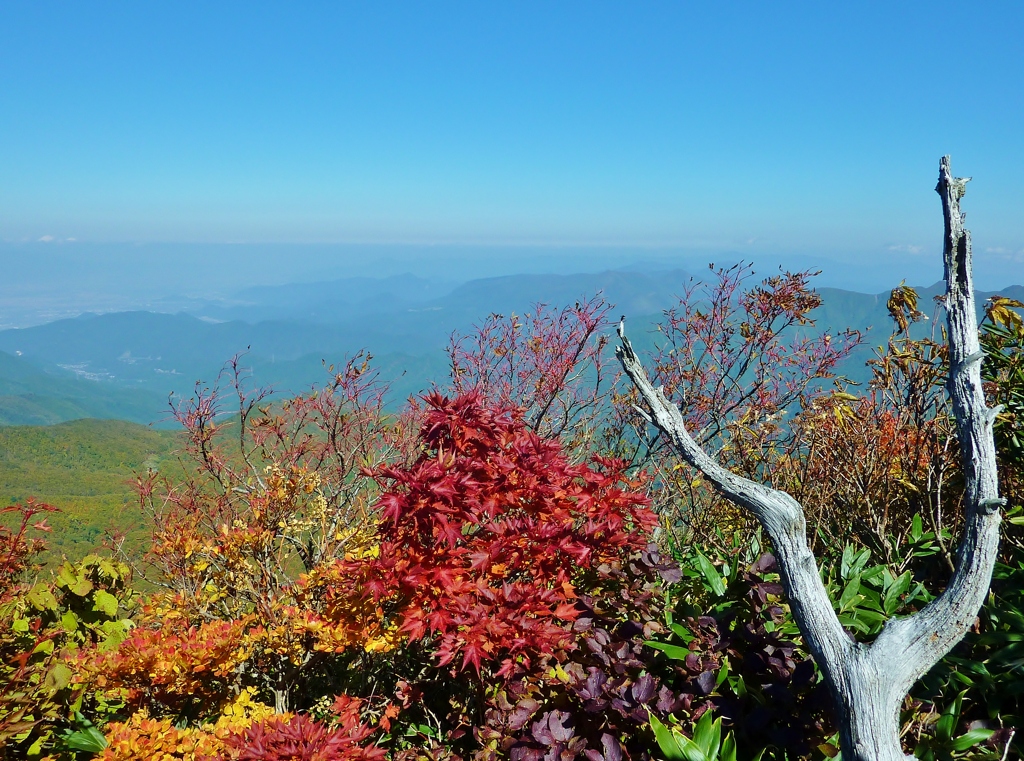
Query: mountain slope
30, 395
83, 468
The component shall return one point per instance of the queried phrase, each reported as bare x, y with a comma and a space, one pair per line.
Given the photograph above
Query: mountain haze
124, 364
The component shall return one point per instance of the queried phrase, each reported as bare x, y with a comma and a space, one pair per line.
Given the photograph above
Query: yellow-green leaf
105, 603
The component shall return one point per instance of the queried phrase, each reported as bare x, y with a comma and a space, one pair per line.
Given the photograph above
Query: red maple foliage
301, 738
486, 536
17, 546
23, 654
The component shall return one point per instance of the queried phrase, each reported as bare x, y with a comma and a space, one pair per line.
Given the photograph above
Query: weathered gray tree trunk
869, 681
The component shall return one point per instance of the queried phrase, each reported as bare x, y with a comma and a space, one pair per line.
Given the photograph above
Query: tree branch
918, 642
779, 514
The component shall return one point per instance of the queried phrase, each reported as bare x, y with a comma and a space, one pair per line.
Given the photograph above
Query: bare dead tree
869, 681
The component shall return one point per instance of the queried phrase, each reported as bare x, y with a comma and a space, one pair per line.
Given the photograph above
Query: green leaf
896, 591
66, 575
675, 652
105, 603
860, 561
869, 616
109, 569
82, 587
723, 672
420, 729
690, 750
69, 621
682, 632
869, 598
666, 741
45, 646
42, 598
846, 601
114, 633
89, 739
711, 574
972, 738
58, 677
728, 748
870, 574
944, 728
708, 735
847, 561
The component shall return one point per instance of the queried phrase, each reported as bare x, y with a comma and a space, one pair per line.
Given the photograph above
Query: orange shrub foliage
281, 737
170, 668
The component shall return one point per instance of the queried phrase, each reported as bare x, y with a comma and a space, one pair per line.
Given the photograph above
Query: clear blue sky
812, 127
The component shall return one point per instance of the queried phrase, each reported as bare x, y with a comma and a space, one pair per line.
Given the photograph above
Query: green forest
85, 467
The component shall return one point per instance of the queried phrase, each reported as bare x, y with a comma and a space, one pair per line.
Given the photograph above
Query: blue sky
812, 128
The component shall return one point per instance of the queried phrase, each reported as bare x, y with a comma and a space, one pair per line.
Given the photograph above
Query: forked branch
869, 682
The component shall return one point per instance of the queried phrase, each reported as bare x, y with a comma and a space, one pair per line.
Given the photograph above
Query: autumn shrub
741, 358
497, 587
243, 734
510, 571
25, 644
266, 493
479, 577
550, 363
745, 355
486, 535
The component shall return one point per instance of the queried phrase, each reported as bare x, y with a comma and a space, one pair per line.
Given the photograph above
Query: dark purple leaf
582, 624
612, 748
594, 684
526, 753
668, 701
556, 724
524, 711
644, 688
706, 682
541, 733
765, 564
671, 574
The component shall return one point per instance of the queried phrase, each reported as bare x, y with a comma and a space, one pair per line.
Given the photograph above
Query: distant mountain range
124, 364
34, 394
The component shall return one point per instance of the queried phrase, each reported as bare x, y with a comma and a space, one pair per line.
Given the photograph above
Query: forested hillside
32, 395
84, 468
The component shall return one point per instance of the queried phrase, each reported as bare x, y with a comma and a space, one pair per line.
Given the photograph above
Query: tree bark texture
869, 682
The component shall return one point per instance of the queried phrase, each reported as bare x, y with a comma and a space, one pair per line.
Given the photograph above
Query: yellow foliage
144, 738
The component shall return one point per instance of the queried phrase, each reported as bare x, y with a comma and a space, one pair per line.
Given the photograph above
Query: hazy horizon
754, 131
44, 282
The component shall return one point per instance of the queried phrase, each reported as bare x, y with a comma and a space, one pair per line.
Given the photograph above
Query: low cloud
1006, 253
907, 248
46, 239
